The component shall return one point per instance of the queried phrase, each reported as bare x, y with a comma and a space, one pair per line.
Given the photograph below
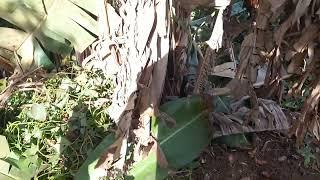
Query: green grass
52, 129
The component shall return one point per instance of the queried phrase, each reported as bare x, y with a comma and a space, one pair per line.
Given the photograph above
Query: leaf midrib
182, 128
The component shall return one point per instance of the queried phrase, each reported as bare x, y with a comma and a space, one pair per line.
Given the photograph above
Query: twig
7, 91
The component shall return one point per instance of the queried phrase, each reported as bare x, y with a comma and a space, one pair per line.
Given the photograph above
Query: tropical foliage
138, 89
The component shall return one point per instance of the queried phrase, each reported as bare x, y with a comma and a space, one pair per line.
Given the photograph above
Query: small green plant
306, 153
51, 130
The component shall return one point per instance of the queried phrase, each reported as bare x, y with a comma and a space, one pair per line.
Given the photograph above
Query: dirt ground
272, 157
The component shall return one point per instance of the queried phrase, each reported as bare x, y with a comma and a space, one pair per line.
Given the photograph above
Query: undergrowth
52, 129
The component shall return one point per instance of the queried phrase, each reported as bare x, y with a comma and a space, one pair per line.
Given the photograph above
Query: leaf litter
160, 58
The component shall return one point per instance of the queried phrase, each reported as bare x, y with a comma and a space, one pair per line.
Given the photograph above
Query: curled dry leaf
262, 72
161, 157
300, 10
114, 156
307, 116
297, 87
6, 65
225, 70
106, 159
297, 63
215, 41
270, 117
309, 34
315, 126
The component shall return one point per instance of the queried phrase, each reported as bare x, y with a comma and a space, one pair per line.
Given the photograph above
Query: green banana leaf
180, 144
54, 20
19, 49
58, 25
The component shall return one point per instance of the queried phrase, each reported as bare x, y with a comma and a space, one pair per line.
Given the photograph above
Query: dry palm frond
270, 117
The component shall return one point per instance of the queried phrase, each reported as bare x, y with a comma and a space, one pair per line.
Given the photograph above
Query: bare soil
272, 157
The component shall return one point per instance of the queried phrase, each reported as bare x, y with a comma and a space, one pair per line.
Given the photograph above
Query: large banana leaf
54, 20
15, 42
180, 144
59, 25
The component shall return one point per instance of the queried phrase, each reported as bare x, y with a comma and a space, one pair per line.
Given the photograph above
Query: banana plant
53, 25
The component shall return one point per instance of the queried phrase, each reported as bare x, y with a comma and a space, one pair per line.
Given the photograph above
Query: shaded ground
273, 157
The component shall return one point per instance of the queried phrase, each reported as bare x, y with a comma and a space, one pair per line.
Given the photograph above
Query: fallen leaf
225, 70
248, 60
270, 117
112, 155
297, 63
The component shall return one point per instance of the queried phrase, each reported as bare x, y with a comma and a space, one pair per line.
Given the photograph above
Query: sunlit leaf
3, 84
31, 151
4, 151
38, 112
61, 144
53, 22
25, 168
31, 53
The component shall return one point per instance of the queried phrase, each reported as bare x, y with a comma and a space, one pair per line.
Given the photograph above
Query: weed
51, 131
307, 152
